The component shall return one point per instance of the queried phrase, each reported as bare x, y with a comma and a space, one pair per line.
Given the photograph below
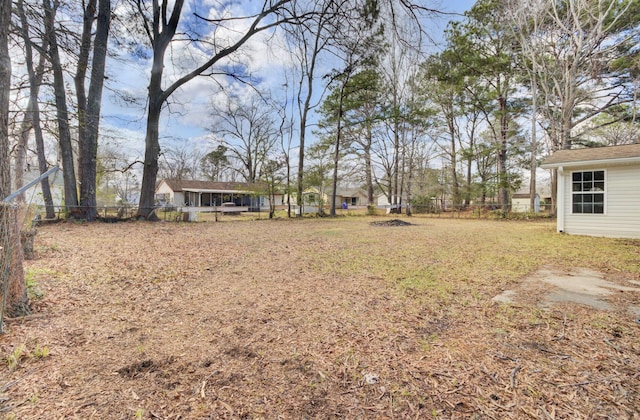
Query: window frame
584, 192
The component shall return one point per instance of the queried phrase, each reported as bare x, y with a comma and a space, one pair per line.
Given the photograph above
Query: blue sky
187, 118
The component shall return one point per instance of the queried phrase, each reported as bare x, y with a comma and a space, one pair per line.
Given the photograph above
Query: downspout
560, 200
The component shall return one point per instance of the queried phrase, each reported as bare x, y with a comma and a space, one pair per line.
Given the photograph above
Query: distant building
193, 193
521, 203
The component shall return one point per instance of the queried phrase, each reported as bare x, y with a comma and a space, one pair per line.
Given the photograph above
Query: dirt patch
137, 368
394, 222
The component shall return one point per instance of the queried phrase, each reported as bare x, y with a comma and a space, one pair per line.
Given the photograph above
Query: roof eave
204, 190
593, 162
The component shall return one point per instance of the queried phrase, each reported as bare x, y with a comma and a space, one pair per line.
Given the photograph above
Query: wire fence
14, 298
483, 211
37, 214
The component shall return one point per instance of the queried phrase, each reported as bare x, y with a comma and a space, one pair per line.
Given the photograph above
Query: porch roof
213, 191
178, 185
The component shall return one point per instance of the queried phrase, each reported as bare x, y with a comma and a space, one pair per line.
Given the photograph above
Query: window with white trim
587, 192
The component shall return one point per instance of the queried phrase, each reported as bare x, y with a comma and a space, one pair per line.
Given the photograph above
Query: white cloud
188, 110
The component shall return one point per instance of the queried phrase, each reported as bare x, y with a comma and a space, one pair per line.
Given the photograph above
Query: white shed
521, 203
598, 190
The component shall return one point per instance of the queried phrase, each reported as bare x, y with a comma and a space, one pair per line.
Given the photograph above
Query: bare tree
62, 112
31, 119
576, 44
160, 20
286, 132
311, 40
179, 162
247, 129
572, 50
610, 132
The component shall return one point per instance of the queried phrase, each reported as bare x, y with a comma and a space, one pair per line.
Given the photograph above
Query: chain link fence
14, 298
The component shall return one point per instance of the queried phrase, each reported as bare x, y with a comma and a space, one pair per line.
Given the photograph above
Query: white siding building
598, 190
191, 193
521, 203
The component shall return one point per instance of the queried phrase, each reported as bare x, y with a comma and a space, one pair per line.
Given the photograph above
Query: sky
187, 119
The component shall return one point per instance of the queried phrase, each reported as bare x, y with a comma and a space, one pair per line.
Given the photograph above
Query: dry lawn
317, 318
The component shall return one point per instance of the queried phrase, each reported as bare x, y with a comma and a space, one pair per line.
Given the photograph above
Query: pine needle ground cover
320, 318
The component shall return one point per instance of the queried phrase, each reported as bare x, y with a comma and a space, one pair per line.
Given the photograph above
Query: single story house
353, 197
598, 190
192, 193
383, 201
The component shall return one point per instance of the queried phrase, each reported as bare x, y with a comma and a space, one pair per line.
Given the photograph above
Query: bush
422, 204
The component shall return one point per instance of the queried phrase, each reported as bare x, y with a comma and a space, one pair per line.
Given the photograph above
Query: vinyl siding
622, 205
175, 198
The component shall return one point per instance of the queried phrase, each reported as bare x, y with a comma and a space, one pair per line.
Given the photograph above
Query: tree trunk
13, 292
89, 14
64, 133
309, 70
5, 86
554, 192
534, 146
455, 187
152, 145
88, 141
20, 155
303, 130
152, 152
410, 169
336, 154
467, 193
396, 154
162, 35
368, 166
503, 182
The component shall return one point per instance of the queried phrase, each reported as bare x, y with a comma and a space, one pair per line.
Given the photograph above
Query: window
588, 190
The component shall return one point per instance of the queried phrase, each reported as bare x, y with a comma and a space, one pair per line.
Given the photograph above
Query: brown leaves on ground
313, 319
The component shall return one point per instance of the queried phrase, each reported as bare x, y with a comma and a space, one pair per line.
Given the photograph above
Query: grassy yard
318, 318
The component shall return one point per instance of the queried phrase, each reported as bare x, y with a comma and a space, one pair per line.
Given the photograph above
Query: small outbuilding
598, 190
521, 203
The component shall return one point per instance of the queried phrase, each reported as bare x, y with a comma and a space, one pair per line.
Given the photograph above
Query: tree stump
27, 238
